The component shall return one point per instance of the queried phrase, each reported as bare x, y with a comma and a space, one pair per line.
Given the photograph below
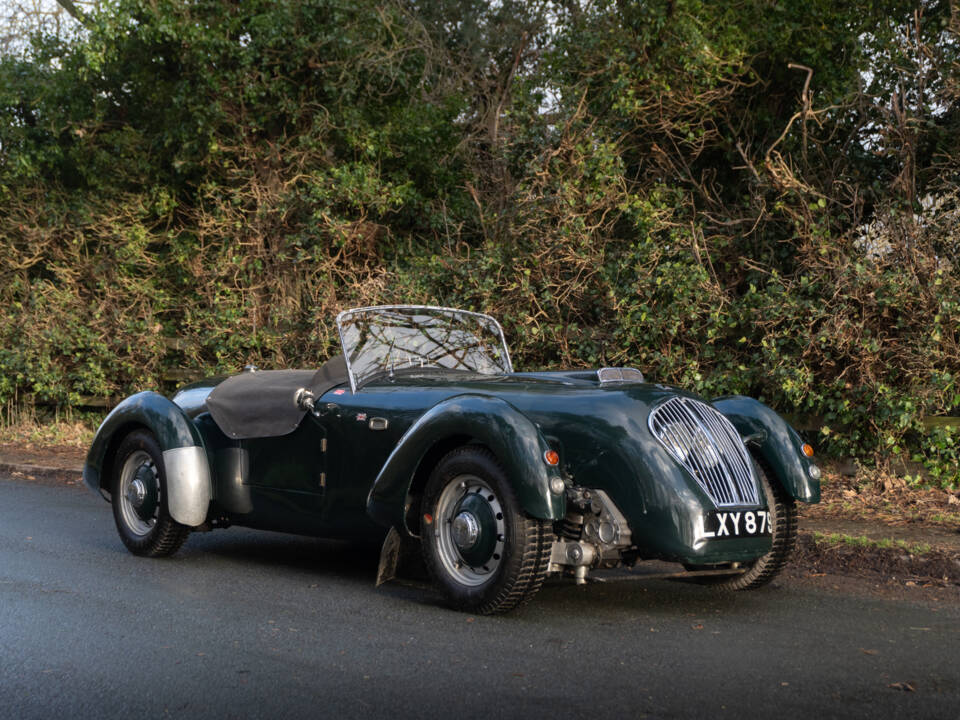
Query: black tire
783, 518
506, 562
139, 494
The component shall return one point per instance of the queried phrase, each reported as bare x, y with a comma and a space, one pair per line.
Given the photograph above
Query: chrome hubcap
470, 530
465, 530
139, 493
136, 493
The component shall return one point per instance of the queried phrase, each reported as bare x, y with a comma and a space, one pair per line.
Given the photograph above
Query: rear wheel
783, 519
140, 501
481, 549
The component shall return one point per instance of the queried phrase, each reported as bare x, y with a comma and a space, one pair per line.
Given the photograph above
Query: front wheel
482, 550
783, 518
139, 498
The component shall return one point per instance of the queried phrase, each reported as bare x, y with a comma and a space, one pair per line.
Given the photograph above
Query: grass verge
862, 541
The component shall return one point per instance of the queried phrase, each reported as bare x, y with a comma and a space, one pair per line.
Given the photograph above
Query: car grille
709, 447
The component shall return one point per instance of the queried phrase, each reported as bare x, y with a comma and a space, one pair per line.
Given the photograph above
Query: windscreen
385, 340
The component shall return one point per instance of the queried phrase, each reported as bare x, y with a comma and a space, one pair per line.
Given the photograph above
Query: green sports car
423, 434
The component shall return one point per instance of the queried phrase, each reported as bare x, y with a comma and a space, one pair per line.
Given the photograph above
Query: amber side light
552, 457
807, 449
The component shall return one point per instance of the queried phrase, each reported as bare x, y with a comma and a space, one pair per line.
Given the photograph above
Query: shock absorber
571, 527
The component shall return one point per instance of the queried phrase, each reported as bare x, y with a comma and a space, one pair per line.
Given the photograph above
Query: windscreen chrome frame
353, 311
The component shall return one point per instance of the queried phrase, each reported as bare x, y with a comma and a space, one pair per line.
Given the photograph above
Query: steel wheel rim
448, 508
128, 510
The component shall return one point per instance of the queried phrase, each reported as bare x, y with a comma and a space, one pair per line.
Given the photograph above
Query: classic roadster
422, 432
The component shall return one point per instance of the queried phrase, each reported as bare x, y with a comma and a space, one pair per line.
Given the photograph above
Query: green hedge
194, 187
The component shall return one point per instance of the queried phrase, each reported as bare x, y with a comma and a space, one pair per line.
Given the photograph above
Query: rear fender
510, 435
776, 442
187, 472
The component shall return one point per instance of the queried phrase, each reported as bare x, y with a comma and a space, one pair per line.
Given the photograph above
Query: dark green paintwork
168, 422
362, 482
605, 443
779, 444
490, 421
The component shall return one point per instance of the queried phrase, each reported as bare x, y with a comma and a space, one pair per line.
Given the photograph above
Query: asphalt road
249, 624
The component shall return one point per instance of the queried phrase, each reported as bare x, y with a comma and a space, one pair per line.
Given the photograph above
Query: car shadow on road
561, 600
655, 597
342, 558
357, 563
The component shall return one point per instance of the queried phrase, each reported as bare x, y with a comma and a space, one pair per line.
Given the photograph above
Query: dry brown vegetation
739, 198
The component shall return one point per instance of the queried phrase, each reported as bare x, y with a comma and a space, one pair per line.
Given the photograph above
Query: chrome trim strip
711, 450
342, 315
189, 490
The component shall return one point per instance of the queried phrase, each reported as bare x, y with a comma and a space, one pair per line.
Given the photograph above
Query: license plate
735, 524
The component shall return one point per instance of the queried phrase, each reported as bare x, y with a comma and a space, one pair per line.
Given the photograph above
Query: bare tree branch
75, 12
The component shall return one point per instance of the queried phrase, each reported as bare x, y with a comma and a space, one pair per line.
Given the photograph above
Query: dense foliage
752, 197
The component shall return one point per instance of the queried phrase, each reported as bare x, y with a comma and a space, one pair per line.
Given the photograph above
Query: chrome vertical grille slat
709, 447
703, 464
719, 479
729, 450
682, 438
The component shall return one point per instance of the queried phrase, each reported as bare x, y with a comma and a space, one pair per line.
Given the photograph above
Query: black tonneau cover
262, 403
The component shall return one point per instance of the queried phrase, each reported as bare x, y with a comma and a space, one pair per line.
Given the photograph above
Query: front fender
778, 444
508, 433
187, 472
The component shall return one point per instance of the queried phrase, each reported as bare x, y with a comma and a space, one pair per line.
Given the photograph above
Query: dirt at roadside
938, 567
885, 499
62, 457
51, 465
876, 526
